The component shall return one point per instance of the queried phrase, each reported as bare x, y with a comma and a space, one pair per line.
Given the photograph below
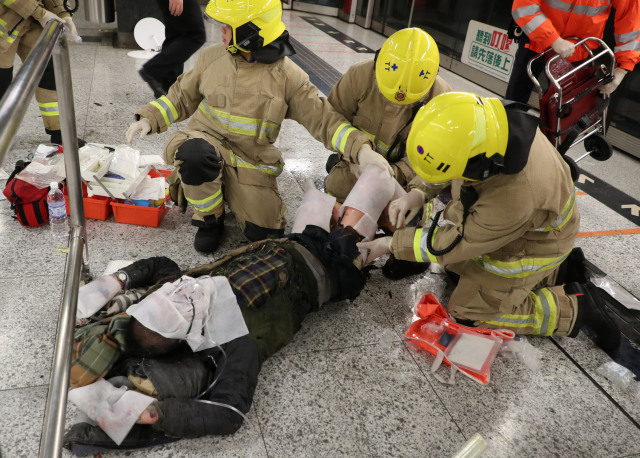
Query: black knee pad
200, 162
6, 76
48, 80
254, 232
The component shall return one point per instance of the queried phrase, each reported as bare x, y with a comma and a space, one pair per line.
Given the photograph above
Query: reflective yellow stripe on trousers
544, 320
207, 204
49, 109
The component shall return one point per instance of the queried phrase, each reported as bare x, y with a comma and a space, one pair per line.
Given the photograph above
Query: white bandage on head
315, 209
203, 311
371, 194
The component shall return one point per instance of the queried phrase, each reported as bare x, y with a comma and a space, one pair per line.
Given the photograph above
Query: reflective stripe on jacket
243, 105
15, 17
357, 98
544, 21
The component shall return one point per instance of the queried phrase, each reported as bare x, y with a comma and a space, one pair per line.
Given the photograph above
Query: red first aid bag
28, 202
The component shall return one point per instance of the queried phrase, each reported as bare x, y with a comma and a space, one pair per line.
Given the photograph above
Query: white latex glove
71, 31
406, 207
563, 47
378, 247
47, 17
95, 295
607, 89
367, 156
144, 126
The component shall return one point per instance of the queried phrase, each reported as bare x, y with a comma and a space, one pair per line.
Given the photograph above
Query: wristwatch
123, 278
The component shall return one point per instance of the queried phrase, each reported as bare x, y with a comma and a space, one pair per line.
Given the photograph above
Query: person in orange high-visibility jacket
237, 96
512, 225
555, 23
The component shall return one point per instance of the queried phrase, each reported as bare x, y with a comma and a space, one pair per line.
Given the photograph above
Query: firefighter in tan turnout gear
237, 96
21, 23
381, 96
513, 220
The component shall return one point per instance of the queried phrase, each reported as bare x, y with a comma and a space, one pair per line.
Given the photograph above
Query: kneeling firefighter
381, 96
513, 220
237, 96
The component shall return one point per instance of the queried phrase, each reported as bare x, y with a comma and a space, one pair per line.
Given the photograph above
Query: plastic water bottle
57, 211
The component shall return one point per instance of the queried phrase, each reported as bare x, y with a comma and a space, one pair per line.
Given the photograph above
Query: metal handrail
53, 44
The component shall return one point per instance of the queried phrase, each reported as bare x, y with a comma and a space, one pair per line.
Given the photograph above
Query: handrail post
52, 437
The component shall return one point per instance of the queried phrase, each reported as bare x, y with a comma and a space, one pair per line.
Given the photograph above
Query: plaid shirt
96, 348
254, 277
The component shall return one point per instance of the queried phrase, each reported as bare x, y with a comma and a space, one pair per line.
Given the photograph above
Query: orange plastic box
96, 207
138, 215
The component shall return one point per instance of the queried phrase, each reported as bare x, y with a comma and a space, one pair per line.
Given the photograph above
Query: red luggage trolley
571, 108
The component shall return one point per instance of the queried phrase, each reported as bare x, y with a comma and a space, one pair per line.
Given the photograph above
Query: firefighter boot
592, 314
209, 233
573, 269
56, 137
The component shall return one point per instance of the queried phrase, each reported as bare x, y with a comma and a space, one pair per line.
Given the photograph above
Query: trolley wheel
598, 147
573, 167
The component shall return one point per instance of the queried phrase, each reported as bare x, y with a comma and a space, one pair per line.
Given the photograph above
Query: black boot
396, 269
209, 234
592, 314
56, 137
573, 269
156, 86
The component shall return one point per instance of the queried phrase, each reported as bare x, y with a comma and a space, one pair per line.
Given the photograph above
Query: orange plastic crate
96, 207
138, 215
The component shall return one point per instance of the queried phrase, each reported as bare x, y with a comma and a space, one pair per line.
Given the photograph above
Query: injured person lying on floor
183, 356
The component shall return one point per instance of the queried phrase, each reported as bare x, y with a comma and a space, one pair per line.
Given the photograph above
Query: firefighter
21, 24
381, 96
513, 219
556, 24
237, 96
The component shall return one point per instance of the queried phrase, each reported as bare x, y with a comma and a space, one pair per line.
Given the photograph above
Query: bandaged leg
370, 195
315, 209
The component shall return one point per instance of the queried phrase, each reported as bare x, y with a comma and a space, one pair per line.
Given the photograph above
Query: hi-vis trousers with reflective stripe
45, 93
529, 305
251, 193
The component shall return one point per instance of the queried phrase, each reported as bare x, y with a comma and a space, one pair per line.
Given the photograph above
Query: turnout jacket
357, 98
544, 21
15, 17
243, 104
521, 223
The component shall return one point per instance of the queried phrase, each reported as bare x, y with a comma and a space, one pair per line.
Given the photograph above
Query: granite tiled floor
348, 385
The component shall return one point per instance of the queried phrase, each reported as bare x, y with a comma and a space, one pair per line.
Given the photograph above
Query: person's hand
95, 295
563, 47
148, 416
144, 126
406, 208
48, 16
376, 248
367, 156
175, 7
70, 30
607, 89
